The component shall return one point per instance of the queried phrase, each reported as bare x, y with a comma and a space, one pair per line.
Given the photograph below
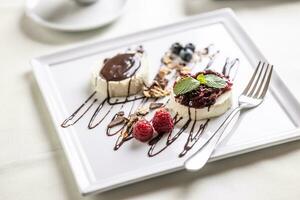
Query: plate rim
226, 15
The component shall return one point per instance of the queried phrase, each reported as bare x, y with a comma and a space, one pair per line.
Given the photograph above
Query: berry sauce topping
204, 95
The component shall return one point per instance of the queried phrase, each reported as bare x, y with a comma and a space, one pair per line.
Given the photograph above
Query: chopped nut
205, 51
117, 121
147, 93
163, 83
186, 69
177, 65
120, 113
172, 65
132, 117
167, 59
124, 133
142, 111
158, 89
163, 72
155, 105
155, 91
131, 120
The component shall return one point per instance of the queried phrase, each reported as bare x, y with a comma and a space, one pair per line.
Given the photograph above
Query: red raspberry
142, 130
162, 121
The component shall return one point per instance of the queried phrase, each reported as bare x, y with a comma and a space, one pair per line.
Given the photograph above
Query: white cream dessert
205, 95
122, 75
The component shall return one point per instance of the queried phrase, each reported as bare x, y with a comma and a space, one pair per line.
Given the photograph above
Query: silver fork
252, 96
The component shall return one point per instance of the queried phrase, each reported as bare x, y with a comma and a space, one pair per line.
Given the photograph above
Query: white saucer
66, 15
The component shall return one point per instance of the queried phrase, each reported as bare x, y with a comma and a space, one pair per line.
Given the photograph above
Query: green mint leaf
185, 85
215, 81
201, 78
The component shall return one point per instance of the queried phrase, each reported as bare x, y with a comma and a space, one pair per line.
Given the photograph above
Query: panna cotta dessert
204, 95
121, 75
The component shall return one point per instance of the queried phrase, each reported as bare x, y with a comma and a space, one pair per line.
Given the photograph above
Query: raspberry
142, 130
162, 121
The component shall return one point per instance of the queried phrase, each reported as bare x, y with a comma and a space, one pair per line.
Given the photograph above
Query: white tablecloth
32, 164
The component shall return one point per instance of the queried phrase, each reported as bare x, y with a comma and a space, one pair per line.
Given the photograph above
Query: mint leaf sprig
212, 80
188, 84
185, 85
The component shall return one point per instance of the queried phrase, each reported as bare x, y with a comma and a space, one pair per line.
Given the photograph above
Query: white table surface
32, 164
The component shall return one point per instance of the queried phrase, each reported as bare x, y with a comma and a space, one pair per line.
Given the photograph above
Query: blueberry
176, 48
190, 46
186, 54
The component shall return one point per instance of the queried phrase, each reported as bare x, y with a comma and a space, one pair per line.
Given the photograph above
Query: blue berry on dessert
176, 48
186, 54
190, 46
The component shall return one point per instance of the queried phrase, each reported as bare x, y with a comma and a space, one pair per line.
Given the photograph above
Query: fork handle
200, 158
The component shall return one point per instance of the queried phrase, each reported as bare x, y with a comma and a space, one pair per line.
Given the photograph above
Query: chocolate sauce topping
120, 67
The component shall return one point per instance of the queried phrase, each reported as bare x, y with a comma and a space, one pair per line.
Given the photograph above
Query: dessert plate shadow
64, 80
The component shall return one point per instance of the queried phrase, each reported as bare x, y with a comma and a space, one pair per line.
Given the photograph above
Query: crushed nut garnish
142, 111
117, 121
131, 120
170, 62
156, 92
155, 105
120, 113
167, 59
164, 71
185, 70
124, 133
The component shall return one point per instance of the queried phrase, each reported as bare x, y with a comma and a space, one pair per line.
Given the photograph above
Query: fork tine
252, 79
265, 89
262, 82
256, 81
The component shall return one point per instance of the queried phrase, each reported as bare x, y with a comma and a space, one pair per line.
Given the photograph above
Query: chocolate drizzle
212, 59
124, 66
121, 139
108, 133
69, 121
177, 119
193, 138
124, 130
228, 66
170, 138
135, 98
191, 141
91, 125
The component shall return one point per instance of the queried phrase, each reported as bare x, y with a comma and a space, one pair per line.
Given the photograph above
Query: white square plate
64, 79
